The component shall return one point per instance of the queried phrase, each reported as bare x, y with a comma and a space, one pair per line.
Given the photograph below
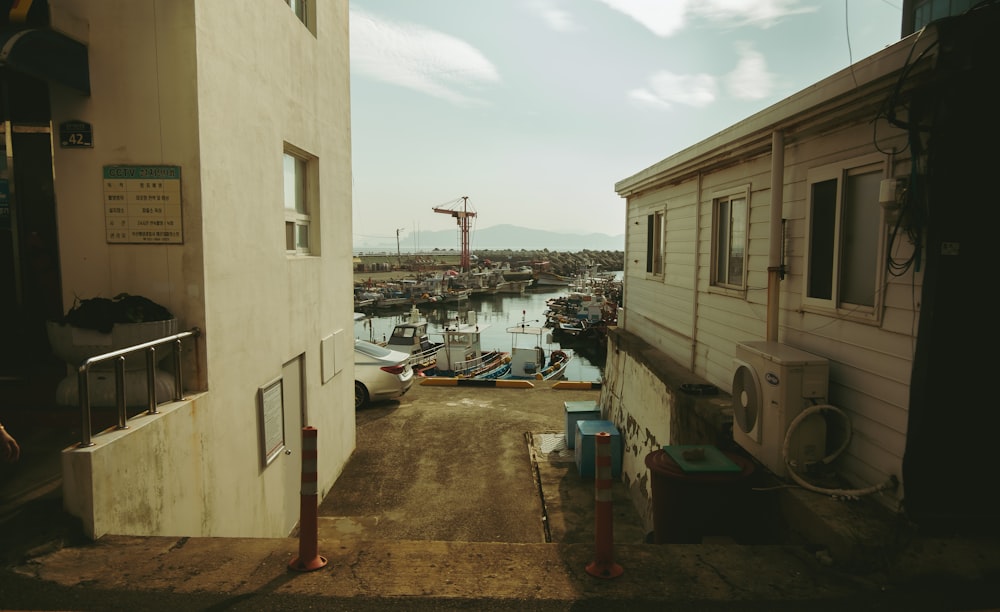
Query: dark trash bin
702, 497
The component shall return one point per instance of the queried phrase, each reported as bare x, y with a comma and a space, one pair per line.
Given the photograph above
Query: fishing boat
410, 336
544, 278
458, 354
461, 354
528, 360
523, 273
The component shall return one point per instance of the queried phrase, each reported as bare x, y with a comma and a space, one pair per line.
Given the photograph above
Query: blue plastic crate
585, 447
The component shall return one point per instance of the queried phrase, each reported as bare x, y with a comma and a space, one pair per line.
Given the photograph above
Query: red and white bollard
603, 565
309, 558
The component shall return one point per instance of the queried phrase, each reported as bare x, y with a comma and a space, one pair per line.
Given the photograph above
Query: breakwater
564, 263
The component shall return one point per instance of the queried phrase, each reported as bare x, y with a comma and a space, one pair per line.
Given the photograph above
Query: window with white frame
844, 240
298, 203
729, 239
654, 243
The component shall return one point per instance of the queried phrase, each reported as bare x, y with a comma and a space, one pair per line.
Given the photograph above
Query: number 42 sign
76, 134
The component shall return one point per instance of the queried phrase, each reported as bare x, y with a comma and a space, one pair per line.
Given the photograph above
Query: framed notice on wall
271, 415
142, 205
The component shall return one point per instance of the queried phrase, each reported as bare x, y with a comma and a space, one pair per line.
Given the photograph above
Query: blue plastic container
585, 448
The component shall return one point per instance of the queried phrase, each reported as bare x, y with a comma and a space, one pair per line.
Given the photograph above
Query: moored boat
523, 273
544, 278
410, 336
531, 362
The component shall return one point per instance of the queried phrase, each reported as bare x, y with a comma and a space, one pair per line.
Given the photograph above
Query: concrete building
842, 222
196, 153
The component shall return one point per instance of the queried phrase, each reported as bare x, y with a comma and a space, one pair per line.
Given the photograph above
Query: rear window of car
372, 350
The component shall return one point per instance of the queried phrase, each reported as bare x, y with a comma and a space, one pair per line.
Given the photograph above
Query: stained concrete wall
642, 393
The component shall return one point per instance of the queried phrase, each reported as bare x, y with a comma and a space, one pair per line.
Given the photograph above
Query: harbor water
494, 314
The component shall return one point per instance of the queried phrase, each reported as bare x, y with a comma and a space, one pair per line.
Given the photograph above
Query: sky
534, 109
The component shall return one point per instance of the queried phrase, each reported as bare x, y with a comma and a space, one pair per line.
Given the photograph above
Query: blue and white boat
528, 360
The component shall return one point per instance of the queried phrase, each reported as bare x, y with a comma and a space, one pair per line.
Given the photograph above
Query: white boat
410, 336
531, 362
458, 354
551, 279
523, 273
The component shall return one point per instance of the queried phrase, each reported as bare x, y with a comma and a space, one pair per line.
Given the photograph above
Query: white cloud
750, 80
666, 17
418, 58
553, 16
663, 18
664, 89
760, 13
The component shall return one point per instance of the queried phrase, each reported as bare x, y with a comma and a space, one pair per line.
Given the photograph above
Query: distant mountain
497, 237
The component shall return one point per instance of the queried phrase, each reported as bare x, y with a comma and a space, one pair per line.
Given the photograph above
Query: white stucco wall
219, 92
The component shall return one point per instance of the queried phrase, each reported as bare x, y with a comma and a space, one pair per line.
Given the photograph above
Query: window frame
727, 196
304, 11
656, 233
840, 172
306, 218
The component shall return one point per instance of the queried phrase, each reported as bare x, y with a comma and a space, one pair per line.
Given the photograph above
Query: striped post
603, 565
309, 558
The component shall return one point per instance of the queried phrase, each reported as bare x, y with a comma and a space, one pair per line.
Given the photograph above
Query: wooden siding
871, 356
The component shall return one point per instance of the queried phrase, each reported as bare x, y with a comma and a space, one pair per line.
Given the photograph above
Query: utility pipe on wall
693, 358
774, 270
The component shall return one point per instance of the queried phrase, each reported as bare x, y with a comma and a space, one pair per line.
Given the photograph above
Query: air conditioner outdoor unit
772, 384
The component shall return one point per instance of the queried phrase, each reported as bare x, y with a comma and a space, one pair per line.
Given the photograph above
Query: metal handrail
83, 379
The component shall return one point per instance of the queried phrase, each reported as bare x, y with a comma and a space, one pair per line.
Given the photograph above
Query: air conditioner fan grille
746, 399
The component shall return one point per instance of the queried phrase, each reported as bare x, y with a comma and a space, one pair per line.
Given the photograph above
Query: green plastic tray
714, 461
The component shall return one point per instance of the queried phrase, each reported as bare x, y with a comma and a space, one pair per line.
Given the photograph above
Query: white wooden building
826, 223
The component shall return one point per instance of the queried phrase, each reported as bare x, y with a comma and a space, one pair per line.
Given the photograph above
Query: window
729, 240
300, 8
654, 243
844, 239
305, 10
298, 226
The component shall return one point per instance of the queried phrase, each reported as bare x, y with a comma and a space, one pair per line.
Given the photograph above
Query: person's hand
9, 450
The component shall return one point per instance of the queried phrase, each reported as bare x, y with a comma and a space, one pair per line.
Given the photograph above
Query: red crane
462, 217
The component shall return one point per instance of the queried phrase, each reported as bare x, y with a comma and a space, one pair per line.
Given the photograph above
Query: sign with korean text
142, 205
76, 134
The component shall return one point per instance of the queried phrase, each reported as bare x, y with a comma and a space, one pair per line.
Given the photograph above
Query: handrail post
83, 381
178, 377
83, 389
120, 392
151, 380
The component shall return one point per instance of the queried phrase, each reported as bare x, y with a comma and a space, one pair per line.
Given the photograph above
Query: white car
379, 373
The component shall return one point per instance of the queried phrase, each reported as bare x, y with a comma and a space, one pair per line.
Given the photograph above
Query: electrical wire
850, 53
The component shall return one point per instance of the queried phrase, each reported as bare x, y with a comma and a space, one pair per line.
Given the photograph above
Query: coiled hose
891, 483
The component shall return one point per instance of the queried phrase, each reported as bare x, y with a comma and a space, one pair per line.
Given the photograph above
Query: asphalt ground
458, 498
471, 464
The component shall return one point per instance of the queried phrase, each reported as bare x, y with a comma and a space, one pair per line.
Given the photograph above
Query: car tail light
395, 370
